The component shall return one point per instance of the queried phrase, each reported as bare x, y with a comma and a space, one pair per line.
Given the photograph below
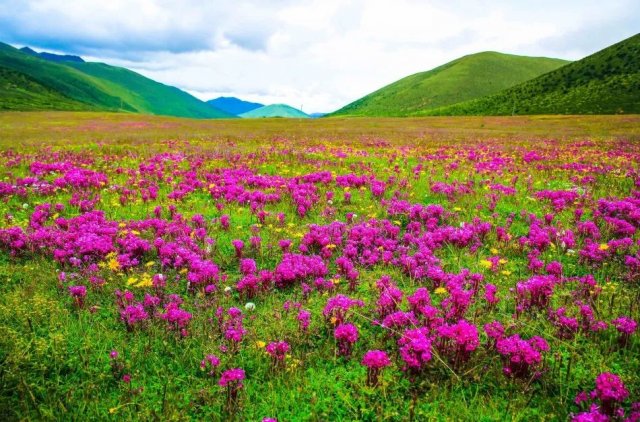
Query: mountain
606, 82
90, 86
275, 110
233, 105
468, 77
53, 57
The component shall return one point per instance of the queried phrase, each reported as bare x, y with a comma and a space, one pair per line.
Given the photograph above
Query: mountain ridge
467, 77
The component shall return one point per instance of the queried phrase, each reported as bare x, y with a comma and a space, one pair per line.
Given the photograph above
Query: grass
54, 357
463, 79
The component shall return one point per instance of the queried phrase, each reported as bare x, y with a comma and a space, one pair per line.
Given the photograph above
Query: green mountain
462, 79
90, 86
606, 82
274, 110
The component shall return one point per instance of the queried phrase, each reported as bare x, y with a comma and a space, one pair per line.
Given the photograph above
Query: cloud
322, 54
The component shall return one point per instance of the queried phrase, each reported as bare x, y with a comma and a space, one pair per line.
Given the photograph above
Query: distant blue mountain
233, 105
316, 115
53, 57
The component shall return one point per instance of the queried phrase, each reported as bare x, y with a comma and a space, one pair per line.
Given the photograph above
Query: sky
314, 55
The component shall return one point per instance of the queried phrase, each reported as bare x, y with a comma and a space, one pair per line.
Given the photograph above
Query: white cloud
321, 54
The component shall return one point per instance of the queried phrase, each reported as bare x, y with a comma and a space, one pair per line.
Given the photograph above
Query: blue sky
316, 54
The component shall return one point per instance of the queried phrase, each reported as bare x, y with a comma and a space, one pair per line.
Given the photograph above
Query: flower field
419, 269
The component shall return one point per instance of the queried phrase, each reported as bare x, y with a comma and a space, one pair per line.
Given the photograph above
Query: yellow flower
502, 261
505, 272
441, 291
260, 344
150, 264
494, 251
146, 281
603, 247
113, 264
132, 280
330, 246
485, 263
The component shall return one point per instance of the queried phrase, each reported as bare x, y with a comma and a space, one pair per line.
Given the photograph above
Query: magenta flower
210, 363
278, 351
232, 378
626, 327
304, 319
133, 316
375, 361
457, 341
78, 294
338, 308
346, 336
248, 266
523, 358
611, 392
238, 245
415, 349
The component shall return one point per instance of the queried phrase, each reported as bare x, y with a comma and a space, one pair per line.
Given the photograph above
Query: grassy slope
606, 82
67, 81
147, 95
274, 110
21, 92
465, 78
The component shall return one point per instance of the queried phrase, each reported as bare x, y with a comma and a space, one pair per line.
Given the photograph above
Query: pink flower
232, 378
346, 335
375, 361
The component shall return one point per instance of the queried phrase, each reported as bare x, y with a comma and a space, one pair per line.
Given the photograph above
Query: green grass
468, 77
274, 110
95, 85
607, 82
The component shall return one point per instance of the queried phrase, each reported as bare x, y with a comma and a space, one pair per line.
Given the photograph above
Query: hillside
468, 77
233, 105
21, 92
91, 86
275, 110
146, 95
607, 82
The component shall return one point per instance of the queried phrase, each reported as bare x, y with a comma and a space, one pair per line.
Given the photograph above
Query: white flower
250, 306
228, 289
25, 206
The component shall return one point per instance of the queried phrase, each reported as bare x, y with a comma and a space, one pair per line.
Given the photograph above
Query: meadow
441, 268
